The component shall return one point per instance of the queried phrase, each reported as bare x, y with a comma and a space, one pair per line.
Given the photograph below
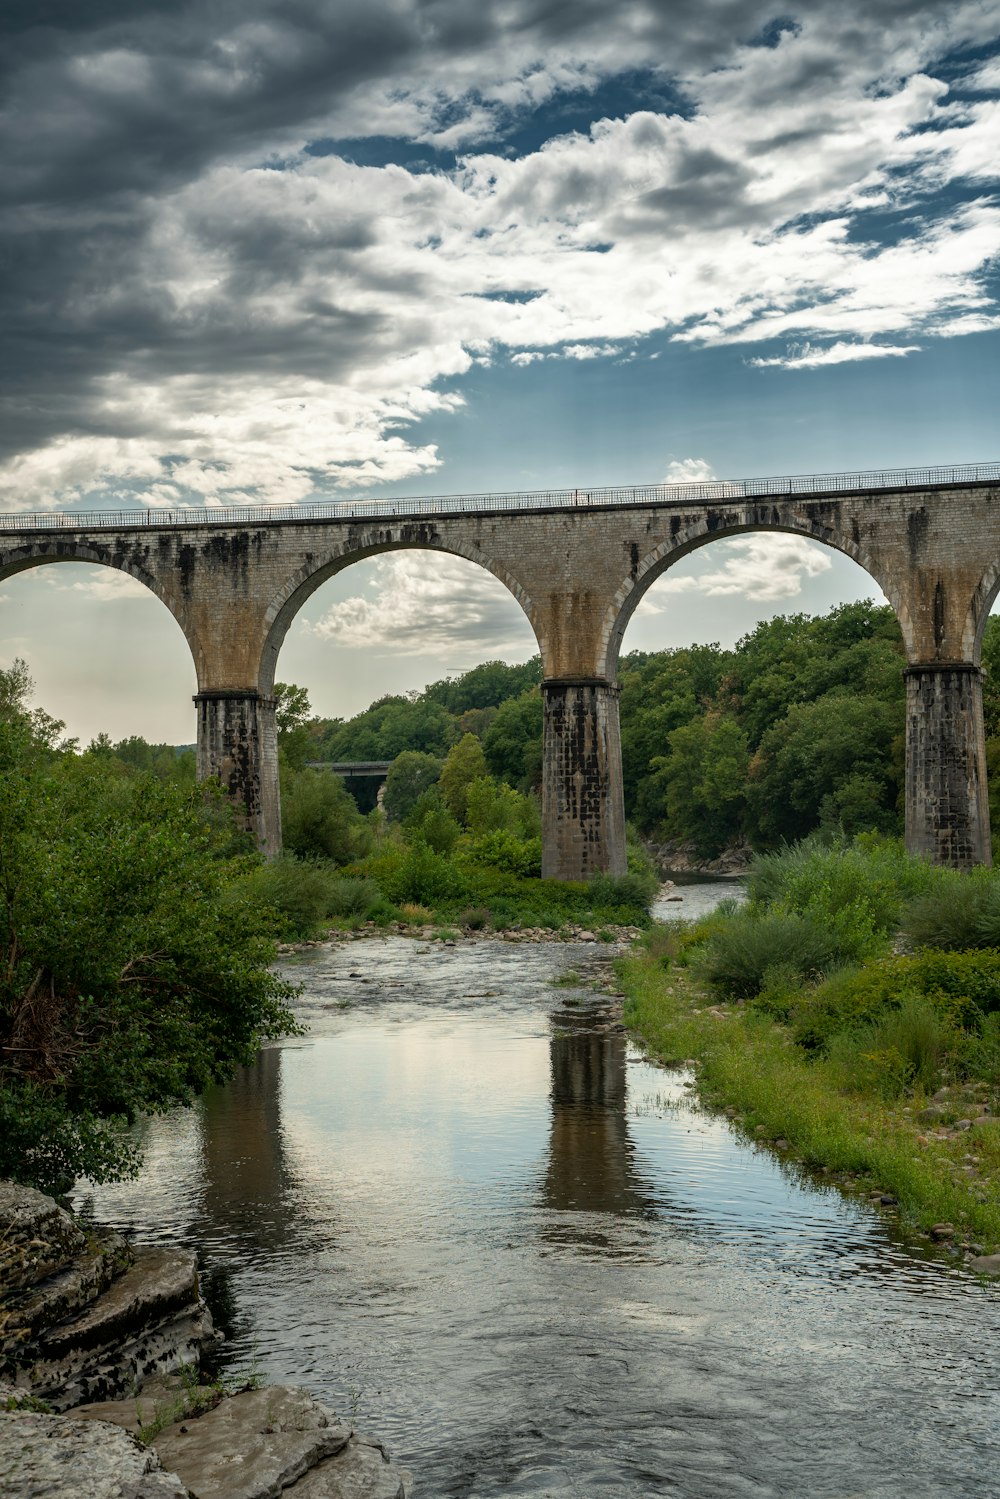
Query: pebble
942, 1230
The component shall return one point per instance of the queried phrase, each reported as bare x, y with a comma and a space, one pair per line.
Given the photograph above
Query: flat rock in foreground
253, 1445
57, 1457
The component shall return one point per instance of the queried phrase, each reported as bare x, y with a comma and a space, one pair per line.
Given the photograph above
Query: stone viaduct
578, 564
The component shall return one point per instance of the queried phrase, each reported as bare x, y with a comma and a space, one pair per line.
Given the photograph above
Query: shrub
319, 818
352, 897
475, 918
632, 891
906, 1048
299, 892
961, 987
503, 849
744, 947
962, 911
858, 890
418, 875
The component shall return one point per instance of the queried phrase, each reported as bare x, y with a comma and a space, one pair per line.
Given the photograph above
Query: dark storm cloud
150, 233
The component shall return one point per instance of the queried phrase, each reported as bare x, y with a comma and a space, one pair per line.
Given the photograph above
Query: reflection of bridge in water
578, 562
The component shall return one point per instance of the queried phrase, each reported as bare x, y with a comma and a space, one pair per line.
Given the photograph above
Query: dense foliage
816, 947
135, 968
799, 727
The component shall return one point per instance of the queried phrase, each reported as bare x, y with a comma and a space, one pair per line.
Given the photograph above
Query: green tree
704, 780
513, 741
320, 819
465, 763
133, 973
410, 775
825, 760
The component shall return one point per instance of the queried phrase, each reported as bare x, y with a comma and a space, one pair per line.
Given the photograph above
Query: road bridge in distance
578, 562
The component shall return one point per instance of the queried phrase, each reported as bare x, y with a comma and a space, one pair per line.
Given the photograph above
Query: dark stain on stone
916, 532
939, 625
187, 561
633, 553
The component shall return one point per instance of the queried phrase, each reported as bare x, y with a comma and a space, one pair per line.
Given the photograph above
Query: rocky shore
99, 1398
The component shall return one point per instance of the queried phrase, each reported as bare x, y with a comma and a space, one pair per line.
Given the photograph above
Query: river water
466, 1213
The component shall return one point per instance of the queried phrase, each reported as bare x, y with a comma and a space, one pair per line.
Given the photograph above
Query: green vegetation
799, 728
805, 1020
135, 967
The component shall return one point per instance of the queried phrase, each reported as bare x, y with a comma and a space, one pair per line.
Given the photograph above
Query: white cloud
102, 584
688, 471
765, 568
282, 330
425, 601
809, 357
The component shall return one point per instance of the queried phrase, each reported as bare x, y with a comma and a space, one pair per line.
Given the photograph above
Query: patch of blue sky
607, 421
517, 132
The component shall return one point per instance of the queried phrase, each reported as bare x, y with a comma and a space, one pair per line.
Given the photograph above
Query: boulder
26, 1313
252, 1446
37, 1237
361, 1471
986, 1264
151, 1319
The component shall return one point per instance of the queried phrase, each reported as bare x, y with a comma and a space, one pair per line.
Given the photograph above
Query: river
466, 1213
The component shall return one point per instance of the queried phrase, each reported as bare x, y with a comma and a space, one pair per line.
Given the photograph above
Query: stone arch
289, 599
40, 552
19, 559
982, 602
700, 532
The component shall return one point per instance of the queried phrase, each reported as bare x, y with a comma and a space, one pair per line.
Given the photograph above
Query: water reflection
511, 1248
591, 1158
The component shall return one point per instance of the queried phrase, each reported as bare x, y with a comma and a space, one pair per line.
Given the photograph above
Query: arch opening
745, 725
365, 638
419, 612
106, 654
754, 559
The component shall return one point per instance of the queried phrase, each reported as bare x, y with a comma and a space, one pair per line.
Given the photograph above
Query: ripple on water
516, 1251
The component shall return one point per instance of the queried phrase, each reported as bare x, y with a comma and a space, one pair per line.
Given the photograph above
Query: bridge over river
578, 562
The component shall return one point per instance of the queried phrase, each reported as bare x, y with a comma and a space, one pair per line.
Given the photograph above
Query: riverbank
935, 1161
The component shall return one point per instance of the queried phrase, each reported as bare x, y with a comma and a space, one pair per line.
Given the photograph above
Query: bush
859, 891
297, 891
419, 876
961, 987
633, 891
906, 1048
353, 897
319, 818
135, 970
502, 849
744, 948
962, 911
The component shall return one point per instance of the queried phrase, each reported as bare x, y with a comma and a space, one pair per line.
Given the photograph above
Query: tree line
799, 728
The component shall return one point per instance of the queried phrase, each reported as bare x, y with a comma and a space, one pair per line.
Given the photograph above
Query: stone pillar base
583, 811
947, 810
238, 746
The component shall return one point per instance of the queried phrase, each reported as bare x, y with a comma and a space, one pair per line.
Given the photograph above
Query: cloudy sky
262, 252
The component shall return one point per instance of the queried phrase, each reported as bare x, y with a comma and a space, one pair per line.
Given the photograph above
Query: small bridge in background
578, 562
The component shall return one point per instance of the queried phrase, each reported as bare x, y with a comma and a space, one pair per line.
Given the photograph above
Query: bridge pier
238, 746
947, 808
583, 809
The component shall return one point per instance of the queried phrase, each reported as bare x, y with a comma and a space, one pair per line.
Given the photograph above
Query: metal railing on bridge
713, 491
